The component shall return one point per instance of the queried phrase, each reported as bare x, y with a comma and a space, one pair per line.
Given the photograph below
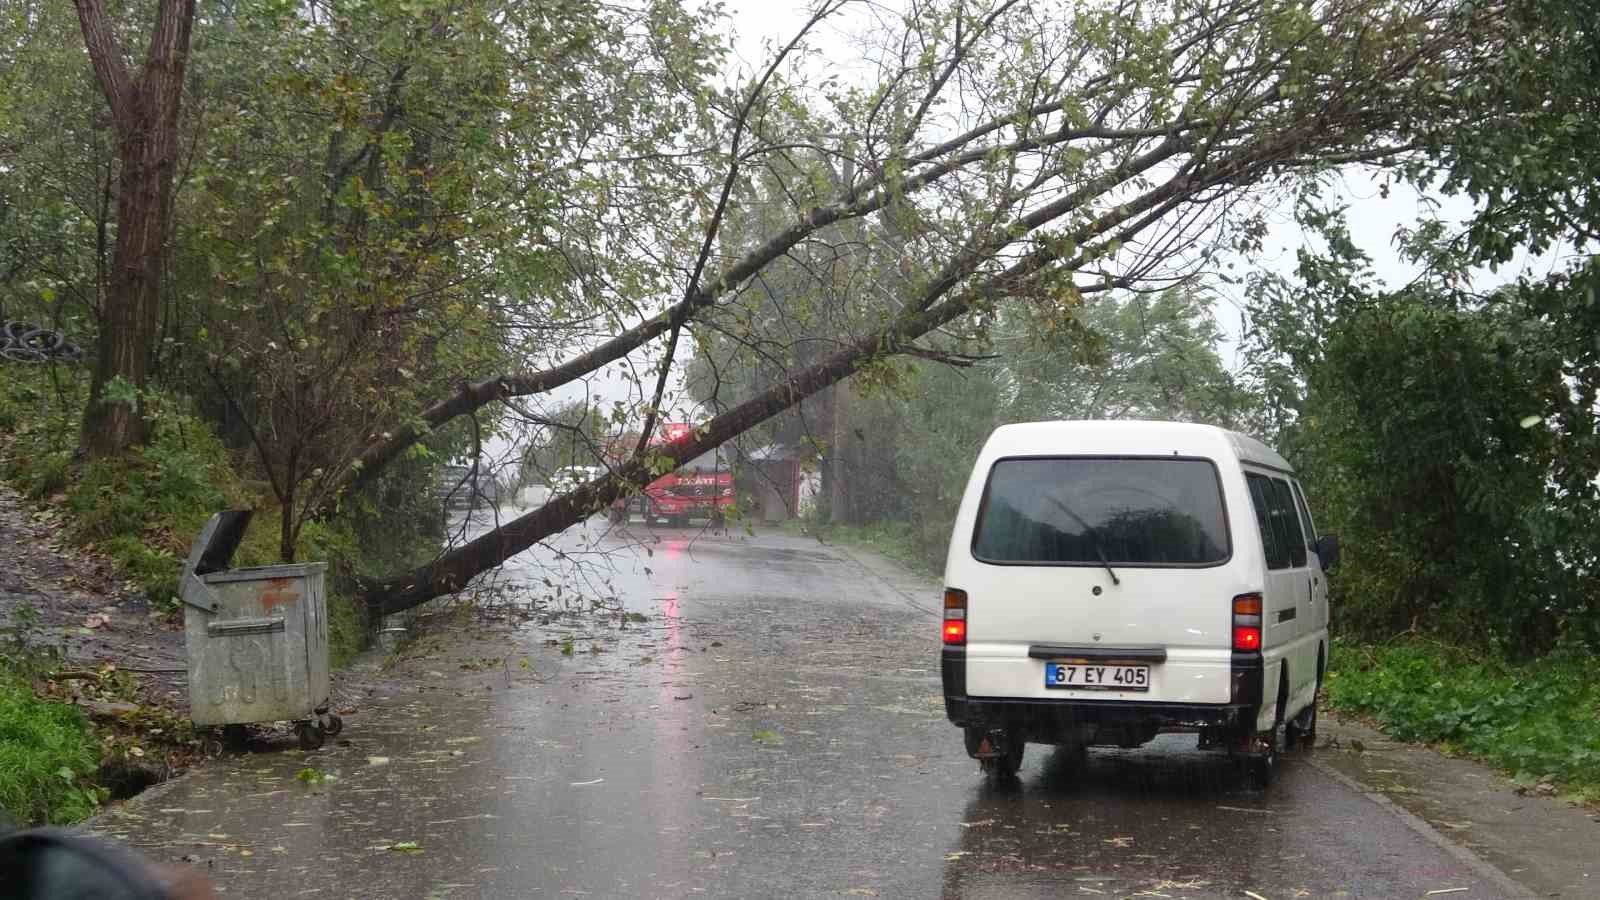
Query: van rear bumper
1051, 714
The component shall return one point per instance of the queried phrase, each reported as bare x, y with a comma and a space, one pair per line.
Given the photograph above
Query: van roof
1130, 436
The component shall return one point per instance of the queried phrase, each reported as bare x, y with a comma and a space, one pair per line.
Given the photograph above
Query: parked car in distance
1111, 580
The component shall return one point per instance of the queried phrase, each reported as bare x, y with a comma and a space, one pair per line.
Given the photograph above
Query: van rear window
1092, 510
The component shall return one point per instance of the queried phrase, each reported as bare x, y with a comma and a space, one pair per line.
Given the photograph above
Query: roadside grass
1537, 721
48, 756
895, 540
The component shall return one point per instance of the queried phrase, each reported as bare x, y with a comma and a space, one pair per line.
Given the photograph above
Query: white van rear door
1105, 553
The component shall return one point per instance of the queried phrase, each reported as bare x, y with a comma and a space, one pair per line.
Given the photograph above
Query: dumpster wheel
311, 735
332, 724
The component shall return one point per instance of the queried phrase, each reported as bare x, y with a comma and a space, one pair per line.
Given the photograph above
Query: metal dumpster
257, 638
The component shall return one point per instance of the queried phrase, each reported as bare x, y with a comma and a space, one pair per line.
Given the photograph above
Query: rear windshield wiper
1094, 537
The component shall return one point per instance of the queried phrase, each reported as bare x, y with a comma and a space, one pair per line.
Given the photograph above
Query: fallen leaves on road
587, 783
767, 736
407, 847
96, 620
377, 760
1460, 890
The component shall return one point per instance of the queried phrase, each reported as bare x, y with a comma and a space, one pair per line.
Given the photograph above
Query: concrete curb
1482, 867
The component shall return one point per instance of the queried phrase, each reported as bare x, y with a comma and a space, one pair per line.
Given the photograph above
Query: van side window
1287, 521
1305, 516
1260, 499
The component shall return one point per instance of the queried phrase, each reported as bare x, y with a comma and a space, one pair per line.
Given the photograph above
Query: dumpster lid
214, 548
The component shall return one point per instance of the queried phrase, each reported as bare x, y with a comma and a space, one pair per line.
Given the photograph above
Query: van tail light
1247, 622
955, 617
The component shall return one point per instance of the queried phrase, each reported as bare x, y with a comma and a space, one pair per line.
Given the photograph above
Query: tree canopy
389, 218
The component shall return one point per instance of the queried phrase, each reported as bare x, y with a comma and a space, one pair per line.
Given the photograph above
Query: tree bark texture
144, 113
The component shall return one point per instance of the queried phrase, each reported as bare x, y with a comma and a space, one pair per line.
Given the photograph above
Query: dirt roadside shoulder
79, 605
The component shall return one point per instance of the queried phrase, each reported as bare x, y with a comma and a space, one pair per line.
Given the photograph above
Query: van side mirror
1328, 551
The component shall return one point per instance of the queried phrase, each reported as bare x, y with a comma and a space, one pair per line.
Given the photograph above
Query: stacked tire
24, 342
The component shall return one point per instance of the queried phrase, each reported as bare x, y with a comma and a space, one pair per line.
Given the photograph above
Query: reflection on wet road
774, 728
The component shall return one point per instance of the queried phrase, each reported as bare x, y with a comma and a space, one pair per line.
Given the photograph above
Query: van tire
1301, 733
1302, 730
1005, 747
1263, 768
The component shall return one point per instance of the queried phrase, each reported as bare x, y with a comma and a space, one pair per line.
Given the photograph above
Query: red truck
701, 487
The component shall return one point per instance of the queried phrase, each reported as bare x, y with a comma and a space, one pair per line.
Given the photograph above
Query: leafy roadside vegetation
48, 756
1536, 720
143, 509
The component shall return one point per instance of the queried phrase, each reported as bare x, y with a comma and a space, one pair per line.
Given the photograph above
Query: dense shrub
1535, 720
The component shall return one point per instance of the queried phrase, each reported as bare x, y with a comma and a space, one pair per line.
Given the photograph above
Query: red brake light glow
1247, 622
955, 617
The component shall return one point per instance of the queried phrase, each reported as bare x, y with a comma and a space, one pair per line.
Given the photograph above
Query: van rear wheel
1263, 766
1301, 733
999, 753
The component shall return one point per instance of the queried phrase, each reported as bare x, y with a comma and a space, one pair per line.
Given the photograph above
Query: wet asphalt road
773, 729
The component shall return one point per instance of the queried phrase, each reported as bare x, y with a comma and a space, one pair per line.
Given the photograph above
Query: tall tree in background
144, 112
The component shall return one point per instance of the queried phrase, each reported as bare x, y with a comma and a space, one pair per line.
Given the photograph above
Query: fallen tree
1100, 150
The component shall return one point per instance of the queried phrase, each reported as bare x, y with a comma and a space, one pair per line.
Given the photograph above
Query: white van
1109, 581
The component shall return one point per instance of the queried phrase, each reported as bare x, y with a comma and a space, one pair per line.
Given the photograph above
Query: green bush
47, 757
1536, 719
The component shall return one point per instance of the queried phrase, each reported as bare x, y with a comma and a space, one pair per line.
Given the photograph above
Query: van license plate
1096, 677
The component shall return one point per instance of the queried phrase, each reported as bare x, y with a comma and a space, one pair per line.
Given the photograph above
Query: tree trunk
287, 532
144, 111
